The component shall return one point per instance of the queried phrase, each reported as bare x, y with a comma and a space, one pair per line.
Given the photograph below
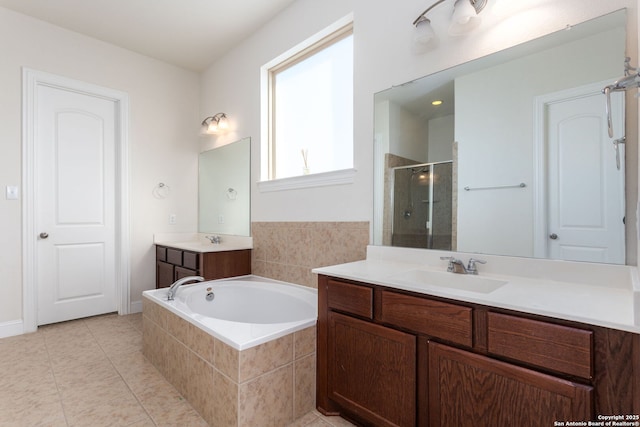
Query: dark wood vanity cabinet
392, 358
373, 370
173, 264
468, 389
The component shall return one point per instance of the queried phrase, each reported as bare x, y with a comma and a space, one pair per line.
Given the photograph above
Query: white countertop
596, 294
197, 242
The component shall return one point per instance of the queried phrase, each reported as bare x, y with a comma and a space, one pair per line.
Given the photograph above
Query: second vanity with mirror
483, 172
222, 247
179, 256
546, 333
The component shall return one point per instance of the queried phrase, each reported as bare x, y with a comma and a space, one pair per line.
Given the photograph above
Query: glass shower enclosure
423, 206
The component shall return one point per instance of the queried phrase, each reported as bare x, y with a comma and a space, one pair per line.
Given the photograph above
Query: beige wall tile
177, 364
304, 342
267, 401
265, 357
200, 389
288, 251
154, 312
227, 360
224, 408
178, 327
201, 342
305, 385
154, 344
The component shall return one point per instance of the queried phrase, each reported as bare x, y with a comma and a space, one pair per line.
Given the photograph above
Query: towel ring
161, 191
231, 194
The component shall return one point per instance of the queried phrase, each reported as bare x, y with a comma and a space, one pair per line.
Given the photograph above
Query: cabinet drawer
559, 348
174, 256
354, 299
190, 260
161, 253
437, 319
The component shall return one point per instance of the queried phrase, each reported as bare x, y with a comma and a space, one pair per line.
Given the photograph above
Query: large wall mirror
224, 185
516, 159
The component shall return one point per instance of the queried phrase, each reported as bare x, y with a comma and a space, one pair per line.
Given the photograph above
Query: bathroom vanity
175, 260
394, 351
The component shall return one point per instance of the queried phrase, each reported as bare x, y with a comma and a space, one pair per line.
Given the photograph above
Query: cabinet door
164, 274
372, 371
467, 389
184, 272
219, 265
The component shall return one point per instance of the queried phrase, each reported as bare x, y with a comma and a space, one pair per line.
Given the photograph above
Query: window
310, 108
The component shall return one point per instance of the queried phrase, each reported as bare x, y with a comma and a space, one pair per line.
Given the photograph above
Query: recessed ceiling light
437, 102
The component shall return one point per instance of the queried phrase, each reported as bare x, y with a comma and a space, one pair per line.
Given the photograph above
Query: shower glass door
422, 206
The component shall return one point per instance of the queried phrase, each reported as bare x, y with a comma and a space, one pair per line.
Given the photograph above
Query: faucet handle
472, 268
451, 260
213, 239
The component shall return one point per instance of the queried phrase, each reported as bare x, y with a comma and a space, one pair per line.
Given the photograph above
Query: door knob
44, 235
553, 236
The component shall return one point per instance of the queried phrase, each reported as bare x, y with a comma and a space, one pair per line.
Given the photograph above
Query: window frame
334, 33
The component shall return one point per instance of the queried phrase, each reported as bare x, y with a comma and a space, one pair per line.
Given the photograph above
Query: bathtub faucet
173, 290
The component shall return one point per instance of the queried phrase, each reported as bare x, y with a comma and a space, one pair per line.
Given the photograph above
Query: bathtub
245, 311
247, 356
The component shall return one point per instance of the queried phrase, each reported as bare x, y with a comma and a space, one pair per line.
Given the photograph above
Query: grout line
55, 379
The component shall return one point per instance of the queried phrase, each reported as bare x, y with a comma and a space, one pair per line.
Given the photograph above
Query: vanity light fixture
215, 123
436, 103
464, 19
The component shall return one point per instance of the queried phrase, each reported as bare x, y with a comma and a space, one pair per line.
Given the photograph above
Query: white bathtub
245, 311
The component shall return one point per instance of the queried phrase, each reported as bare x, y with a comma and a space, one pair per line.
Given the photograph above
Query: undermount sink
463, 282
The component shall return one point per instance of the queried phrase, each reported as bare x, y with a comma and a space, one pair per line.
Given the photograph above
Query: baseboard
12, 328
135, 307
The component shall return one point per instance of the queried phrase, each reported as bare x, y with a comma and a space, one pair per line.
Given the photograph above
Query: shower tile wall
390, 161
288, 251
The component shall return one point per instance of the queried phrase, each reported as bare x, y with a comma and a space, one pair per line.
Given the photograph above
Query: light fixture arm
215, 118
422, 16
478, 5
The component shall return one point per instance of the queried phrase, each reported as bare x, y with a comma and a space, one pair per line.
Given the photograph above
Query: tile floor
91, 372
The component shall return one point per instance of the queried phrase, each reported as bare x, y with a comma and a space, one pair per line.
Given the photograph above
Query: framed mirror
515, 158
224, 189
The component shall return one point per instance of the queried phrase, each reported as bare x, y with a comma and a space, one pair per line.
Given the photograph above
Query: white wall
383, 57
441, 137
162, 136
408, 134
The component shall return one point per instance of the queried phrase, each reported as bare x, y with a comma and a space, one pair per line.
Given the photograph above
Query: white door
585, 180
74, 204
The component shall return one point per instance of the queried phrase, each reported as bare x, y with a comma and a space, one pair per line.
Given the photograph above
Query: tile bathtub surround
91, 372
272, 384
288, 251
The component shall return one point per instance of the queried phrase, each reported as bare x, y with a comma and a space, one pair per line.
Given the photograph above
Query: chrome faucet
214, 239
457, 266
173, 289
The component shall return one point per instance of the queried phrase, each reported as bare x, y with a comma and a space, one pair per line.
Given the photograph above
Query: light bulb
213, 127
464, 18
423, 36
223, 123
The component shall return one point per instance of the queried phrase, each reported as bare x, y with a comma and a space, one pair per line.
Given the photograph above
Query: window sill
345, 176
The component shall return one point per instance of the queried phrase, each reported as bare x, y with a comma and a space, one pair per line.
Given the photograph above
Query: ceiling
191, 34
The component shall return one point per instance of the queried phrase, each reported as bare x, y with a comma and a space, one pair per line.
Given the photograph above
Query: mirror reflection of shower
422, 206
